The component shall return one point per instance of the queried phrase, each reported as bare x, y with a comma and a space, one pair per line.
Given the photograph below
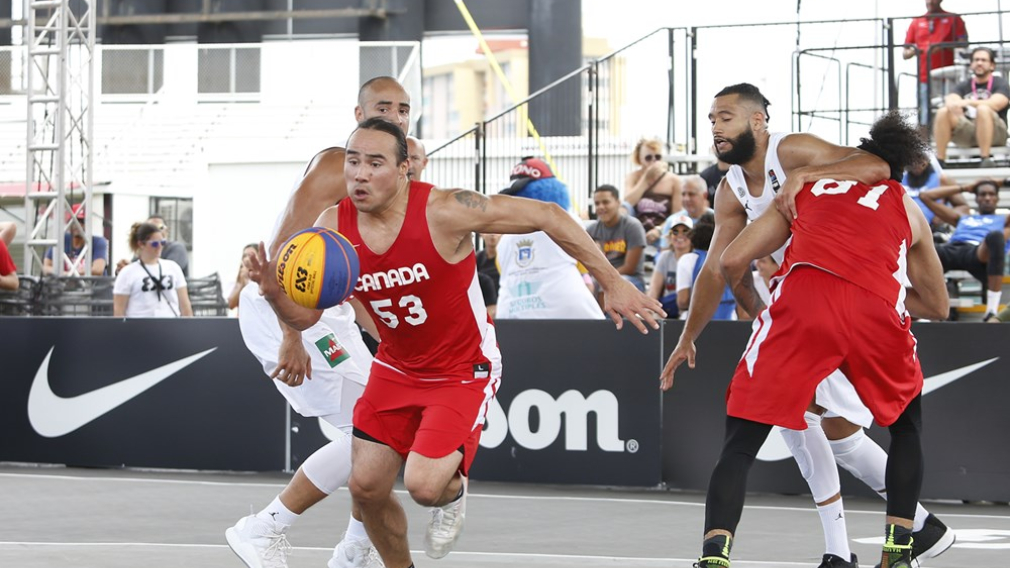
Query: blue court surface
96, 518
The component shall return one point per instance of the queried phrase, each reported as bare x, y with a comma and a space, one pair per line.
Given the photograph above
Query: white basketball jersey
775, 178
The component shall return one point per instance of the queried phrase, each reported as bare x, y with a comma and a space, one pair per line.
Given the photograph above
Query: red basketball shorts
430, 417
816, 323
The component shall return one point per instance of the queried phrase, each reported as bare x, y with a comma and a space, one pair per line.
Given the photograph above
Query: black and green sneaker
897, 551
712, 562
715, 552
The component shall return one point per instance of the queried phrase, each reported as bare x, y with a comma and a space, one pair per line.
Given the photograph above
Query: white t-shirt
540, 281
139, 282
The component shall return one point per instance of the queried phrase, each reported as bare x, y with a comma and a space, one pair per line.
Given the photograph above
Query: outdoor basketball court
95, 518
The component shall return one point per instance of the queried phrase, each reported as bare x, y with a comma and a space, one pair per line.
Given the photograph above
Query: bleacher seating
23, 301
206, 296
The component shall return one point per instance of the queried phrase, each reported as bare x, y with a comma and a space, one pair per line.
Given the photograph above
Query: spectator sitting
695, 200
8, 270
538, 279
936, 26
690, 265
652, 190
173, 250
243, 277
713, 175
73, 248
621, 237
663, 285
150, 286
978, 244
975, 114
929, 175
766, 267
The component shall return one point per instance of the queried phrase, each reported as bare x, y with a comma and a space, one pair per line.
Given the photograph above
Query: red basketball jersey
857, 232
430, 314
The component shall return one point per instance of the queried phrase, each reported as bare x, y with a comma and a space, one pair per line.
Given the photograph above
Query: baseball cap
529, 169
682, 220
76, 210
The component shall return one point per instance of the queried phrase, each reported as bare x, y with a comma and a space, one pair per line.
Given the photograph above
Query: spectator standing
242, 278
487, 258
713, 175
935, 26
621, 237
663, 285
151, 286
978, 244
539, 280
689, 265
8, 270
73, 248
652, 190
975, 114
173, 250
417, 158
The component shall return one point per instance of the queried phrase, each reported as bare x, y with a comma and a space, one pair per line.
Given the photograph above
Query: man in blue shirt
73, 247
929, 175
978, 244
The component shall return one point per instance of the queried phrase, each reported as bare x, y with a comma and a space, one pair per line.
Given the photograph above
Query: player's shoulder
331, 160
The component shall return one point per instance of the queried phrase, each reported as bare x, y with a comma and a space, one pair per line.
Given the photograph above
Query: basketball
317, 268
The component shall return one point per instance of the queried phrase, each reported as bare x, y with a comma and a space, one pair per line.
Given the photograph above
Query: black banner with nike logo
579, 403
165, 393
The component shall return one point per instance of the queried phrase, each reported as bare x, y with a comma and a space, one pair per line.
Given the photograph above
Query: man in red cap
73, 249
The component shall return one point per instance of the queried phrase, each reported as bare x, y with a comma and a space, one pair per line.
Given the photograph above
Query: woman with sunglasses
652, 190
150, 286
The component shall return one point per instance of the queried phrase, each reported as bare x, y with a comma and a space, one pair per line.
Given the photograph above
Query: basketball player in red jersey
313, 384
438, 364
839, 301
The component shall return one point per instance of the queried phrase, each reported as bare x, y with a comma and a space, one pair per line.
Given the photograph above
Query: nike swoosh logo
775, 449
53, 416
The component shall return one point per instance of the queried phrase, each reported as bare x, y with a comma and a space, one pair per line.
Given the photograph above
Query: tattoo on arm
472, 199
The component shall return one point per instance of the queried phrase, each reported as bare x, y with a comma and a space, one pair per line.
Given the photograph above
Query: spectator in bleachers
621, 237
935, 26
690, 265
8, 270
929, 175
73, 247
975, 114
663, 285
243, 277
418, 158
487, 258
694, 197
713, 175
978, 244
539, 280
150, 286
651, 190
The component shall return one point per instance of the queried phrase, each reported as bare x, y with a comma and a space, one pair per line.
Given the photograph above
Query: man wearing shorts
321, 370
438, 365
834, 307
764, 164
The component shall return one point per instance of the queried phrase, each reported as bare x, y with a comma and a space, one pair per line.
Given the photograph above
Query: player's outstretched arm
730, 219
288, 312
761, 238
321, 186
927, 298
809, 158
457, 214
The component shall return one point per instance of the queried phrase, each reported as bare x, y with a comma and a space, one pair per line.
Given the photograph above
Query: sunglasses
683, 231
157, 244
653, 157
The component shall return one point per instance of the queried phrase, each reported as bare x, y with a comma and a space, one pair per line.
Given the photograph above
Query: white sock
836, 537
992, 301
355, 530
920, 517
278, 513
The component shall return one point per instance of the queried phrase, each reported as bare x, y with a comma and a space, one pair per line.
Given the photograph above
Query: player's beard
743, 147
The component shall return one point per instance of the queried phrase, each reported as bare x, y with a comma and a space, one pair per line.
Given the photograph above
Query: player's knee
996, 242
364, 490
424, 493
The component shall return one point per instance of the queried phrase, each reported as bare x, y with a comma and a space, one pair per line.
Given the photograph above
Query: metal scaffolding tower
60, 40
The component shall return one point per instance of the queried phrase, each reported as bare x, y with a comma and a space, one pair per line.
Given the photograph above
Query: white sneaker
445, 527
259, 543
355, 554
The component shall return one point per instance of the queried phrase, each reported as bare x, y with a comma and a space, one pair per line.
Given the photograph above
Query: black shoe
833, 561
933, 540
712, 562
